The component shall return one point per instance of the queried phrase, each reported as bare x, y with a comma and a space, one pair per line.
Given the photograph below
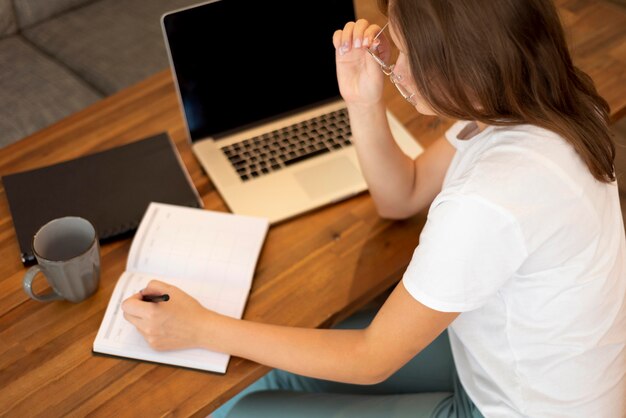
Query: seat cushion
110, 43
30, 12
7, 19
35, 91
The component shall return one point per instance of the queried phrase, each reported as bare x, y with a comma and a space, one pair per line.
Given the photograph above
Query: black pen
155, 298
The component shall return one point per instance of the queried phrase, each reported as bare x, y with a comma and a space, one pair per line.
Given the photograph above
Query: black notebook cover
112, 189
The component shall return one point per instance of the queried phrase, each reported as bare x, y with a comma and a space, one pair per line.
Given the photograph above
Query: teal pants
427, 386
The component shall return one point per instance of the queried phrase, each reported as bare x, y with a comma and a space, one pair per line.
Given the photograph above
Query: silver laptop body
257, 87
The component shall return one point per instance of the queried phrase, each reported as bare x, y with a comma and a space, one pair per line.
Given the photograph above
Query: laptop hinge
283, 115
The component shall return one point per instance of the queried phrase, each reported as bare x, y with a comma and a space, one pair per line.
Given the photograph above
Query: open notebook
210, 255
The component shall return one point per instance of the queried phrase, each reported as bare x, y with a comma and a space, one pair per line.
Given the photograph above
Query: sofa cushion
110, 43
7, 19
35, 91
30, 12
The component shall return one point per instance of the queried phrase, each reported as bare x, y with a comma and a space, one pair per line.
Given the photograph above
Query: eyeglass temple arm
380, 32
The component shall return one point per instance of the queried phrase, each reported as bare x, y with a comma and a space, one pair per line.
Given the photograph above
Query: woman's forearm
389, 173
338, 355
401, 328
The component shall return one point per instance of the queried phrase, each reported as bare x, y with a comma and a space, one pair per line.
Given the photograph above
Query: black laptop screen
239, 62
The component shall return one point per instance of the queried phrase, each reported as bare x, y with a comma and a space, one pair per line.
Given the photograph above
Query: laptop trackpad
329, 177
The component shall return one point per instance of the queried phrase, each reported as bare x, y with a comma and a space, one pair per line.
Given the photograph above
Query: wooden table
314, 270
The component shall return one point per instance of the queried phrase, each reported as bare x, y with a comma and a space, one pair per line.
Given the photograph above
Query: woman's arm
399, 185
400, 330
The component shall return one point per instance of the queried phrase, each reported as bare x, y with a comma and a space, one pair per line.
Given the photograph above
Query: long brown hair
504, 62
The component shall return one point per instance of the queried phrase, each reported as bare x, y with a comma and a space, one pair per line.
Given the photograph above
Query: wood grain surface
314, 270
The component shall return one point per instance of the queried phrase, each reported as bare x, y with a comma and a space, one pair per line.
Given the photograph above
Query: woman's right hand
359, 76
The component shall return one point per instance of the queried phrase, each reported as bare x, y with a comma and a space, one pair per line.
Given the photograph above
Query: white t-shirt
531, 249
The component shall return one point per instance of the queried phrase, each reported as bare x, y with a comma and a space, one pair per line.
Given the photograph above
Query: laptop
257, 87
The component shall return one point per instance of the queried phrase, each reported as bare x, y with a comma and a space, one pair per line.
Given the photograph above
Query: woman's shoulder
519, 167
524, 155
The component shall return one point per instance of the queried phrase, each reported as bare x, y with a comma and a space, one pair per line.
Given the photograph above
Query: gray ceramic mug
68, 254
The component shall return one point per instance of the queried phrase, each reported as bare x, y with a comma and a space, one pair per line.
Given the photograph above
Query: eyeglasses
395, 78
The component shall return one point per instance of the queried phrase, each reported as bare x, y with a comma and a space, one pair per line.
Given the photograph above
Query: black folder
112, 189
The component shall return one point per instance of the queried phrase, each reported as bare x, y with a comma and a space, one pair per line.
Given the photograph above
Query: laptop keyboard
283, 147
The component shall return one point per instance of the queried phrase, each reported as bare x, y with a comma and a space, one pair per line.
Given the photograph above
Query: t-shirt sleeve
468, 249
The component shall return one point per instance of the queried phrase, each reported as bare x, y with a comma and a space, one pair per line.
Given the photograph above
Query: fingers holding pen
172, 323
136, 311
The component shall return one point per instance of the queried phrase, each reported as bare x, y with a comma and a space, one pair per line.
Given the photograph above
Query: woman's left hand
359, 76
171, 325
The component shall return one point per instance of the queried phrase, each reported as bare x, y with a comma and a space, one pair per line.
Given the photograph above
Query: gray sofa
59, 56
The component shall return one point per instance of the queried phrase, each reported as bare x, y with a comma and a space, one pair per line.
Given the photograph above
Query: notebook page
196, 244
117, 336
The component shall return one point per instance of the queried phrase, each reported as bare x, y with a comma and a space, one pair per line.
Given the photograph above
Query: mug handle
28, 287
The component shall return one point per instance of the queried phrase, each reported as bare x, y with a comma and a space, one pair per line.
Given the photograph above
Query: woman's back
542, 246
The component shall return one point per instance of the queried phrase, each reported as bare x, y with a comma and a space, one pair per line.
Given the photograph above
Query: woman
522, 259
